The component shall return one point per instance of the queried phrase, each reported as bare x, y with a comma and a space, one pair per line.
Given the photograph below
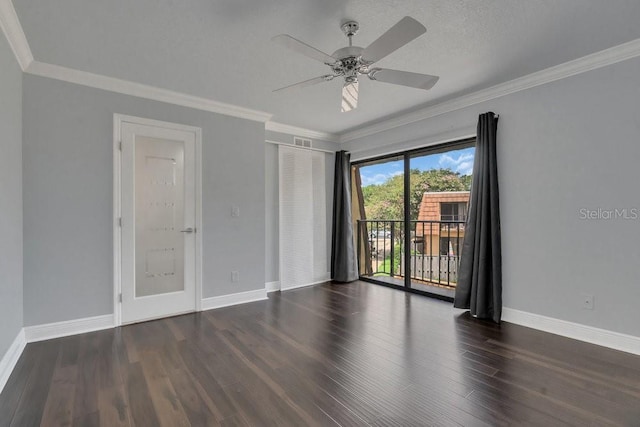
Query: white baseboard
10, 358
327, 277
602, 337
68, 327
272, 286
90, 324
234, 299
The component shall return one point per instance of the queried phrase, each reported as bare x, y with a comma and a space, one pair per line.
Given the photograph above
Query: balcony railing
434, 250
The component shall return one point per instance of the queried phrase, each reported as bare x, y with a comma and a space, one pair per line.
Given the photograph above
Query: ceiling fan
352, 61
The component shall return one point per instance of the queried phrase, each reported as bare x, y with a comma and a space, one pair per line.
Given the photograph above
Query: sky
457, 160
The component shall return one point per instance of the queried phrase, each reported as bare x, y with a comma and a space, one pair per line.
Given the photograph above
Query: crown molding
299, 131
14, 33
17, 40
142, 91
10, 25
578, 66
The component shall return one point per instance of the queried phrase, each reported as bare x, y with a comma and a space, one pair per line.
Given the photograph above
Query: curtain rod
297, 146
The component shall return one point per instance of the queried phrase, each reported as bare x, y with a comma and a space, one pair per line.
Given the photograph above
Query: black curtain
344, 264
479, 285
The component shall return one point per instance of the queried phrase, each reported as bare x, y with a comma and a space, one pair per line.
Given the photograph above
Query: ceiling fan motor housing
349, 62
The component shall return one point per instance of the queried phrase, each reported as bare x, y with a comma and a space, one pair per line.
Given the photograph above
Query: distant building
440, 226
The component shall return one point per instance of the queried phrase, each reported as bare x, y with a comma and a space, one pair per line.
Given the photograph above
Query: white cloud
377, 179
465, 168
463, 164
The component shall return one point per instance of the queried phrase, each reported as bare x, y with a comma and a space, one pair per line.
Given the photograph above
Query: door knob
188, 230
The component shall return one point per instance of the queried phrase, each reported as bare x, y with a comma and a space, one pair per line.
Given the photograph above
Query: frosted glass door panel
159, 216
159, 222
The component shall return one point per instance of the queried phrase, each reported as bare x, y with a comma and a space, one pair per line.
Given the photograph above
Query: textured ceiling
221, 49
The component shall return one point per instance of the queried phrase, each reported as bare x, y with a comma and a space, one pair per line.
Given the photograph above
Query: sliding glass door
381, 198
412, 211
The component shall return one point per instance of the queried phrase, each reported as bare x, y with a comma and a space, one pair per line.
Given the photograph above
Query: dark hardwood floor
348, 355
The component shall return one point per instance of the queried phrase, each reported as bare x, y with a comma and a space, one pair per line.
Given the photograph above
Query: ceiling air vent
301, 142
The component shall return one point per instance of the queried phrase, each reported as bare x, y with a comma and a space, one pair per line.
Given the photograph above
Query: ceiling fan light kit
350, 62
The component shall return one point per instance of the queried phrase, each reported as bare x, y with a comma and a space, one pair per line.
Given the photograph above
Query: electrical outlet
235, 211
587, 301
235, 276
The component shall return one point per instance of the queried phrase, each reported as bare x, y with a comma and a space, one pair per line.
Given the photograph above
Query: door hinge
120, 297
120, 145
120, 222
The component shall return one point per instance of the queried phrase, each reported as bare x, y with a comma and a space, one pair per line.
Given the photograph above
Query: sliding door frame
407, 156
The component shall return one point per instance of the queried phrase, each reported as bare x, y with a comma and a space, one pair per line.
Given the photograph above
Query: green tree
385, 201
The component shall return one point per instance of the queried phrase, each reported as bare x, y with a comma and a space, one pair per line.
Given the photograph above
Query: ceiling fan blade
349, 96
397, 36
306, 83
404, 78
303, 48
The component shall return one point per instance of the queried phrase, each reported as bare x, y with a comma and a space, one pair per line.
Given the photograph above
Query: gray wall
272, 258
68, 197
10, 197
562, 147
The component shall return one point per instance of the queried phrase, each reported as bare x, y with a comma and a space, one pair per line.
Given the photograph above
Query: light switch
235, 211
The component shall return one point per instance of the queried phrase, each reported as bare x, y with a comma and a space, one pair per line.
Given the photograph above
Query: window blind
303, 225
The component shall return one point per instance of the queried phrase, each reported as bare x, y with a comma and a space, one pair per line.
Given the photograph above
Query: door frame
118, 120
406, 156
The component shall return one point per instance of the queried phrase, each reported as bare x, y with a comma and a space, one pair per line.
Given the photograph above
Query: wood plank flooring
328, 355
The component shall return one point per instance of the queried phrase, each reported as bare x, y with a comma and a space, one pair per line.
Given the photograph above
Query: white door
158, 231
